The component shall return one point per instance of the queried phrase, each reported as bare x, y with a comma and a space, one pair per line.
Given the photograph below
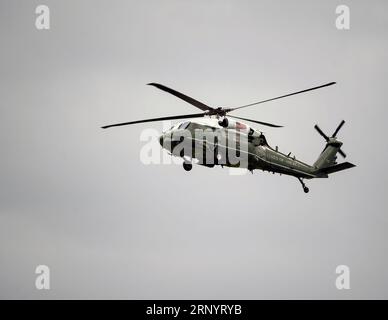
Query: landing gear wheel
187, 166
305, 189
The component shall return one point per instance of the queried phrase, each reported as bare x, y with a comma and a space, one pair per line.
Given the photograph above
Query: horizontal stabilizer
337, 167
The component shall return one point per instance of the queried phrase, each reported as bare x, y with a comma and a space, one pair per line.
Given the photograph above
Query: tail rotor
333, 138
338, 129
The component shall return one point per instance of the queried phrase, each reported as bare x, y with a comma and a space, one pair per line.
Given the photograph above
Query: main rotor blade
186, 116
321, 132
255, 121
338, 128
286, 95
182, 96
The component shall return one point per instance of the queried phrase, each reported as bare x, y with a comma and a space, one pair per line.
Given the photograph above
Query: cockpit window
184, 125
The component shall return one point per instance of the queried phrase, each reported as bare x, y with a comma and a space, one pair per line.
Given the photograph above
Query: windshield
184, 125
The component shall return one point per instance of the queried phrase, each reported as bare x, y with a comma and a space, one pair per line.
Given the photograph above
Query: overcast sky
78, 199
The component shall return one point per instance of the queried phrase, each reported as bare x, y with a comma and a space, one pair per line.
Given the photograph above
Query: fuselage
237, 146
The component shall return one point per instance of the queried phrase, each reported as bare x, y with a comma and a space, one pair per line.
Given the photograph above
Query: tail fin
328, 156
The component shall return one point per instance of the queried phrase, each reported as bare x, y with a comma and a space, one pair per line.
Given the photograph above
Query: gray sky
78, 198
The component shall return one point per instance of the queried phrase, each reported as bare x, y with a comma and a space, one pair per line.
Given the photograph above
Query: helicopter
233, 136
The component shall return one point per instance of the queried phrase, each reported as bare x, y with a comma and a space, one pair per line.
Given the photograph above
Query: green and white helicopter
232, 136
